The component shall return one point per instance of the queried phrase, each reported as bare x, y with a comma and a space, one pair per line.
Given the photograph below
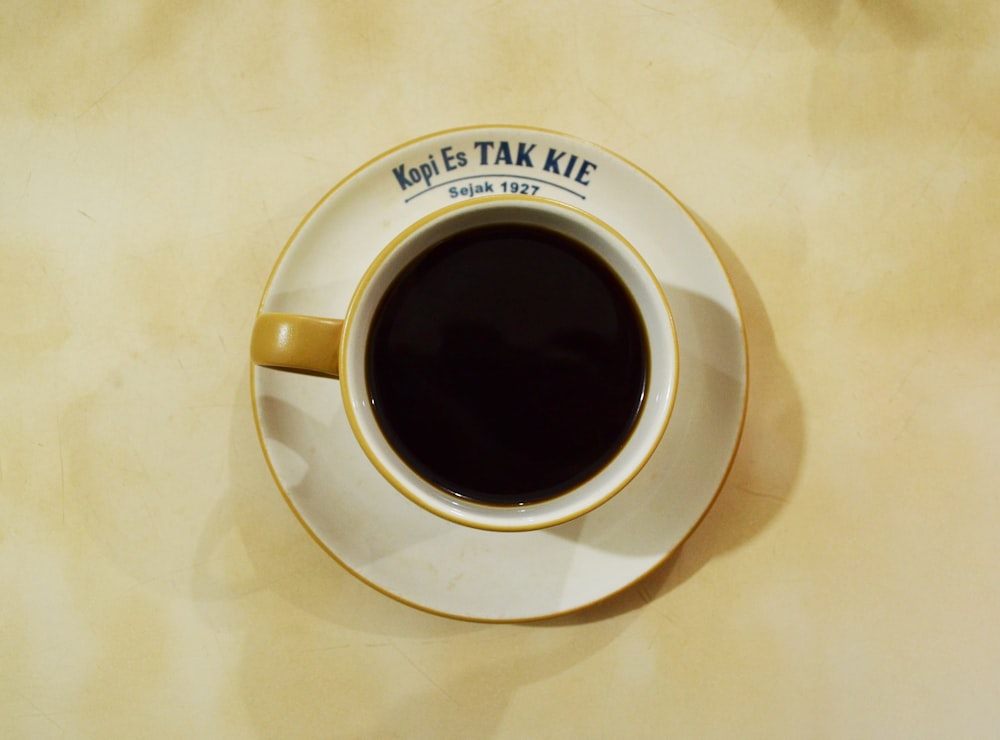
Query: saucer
416, 557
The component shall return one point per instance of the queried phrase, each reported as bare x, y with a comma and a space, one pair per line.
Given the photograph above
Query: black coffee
507, 364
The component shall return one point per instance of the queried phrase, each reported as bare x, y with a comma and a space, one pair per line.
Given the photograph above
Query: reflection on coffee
507, 364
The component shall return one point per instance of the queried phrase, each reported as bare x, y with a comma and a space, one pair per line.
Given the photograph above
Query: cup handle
299, 344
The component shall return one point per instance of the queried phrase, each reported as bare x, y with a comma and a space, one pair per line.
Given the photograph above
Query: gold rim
687, 535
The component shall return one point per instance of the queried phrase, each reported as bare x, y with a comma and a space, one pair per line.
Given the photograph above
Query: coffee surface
507, 364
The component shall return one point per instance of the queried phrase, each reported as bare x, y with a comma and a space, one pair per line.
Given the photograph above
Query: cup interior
660, 362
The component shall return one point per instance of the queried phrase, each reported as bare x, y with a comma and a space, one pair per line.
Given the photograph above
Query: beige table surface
843, 154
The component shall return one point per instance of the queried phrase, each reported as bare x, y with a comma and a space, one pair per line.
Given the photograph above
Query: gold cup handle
300, 344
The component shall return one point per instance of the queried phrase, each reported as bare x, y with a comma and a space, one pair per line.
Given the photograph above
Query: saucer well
425, 561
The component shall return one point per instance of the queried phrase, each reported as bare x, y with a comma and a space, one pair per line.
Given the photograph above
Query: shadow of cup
766, 465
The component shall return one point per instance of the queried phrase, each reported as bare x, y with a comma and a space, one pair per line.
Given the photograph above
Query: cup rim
486, 515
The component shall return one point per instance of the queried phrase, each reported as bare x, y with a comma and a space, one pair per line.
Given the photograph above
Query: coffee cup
508, 363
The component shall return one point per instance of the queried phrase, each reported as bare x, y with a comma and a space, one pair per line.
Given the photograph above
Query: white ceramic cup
337, 348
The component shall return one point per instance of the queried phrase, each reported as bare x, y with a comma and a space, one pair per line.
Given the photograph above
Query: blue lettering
503, 153
452, 161
470, 191
585, 169
524, 155
484, 149
416, 175
570, 165
552, 161
401, 177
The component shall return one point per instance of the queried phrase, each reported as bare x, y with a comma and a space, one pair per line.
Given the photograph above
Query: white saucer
417, 557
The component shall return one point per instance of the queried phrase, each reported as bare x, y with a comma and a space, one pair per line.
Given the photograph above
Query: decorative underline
581, 196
